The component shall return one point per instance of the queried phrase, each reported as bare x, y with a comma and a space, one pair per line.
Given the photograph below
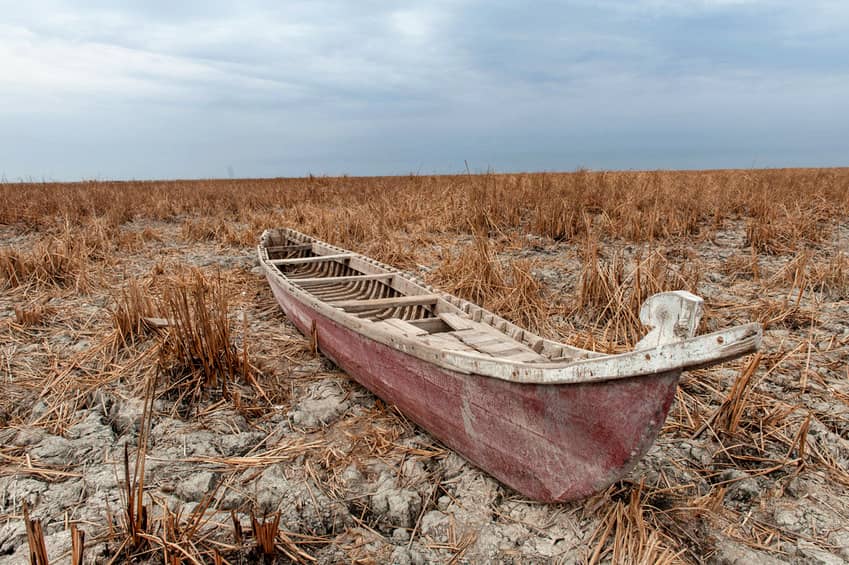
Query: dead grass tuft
785, 312
392, 249
77, 545
613, 291
265, 533
35, 539
32, 315
197, 354
477, 274
831, 277
132, 313
731, 411
50, 263
775, 229
202, 229
742, 266
185, 537
624, 535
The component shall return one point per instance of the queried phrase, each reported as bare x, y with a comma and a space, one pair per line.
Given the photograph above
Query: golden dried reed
197, 353
131, 309
477, 274
614, 293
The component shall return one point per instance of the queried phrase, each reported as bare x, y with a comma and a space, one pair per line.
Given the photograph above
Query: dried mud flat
751, 467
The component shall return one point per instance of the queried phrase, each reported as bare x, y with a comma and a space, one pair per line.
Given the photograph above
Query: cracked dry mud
354, 481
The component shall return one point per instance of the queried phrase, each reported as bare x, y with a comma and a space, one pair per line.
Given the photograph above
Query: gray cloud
154, 89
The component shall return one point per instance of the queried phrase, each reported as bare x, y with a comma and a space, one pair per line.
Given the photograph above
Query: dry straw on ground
130, 309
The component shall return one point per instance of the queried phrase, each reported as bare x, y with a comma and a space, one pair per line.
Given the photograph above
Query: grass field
222, 437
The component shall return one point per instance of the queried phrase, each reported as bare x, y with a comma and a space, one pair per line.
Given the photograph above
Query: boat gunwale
695, 352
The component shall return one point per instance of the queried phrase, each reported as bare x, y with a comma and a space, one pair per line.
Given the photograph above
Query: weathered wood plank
404, 327
297, 247
348, 278
362, 305
537, 344
524, 357
501, 347
447, 341
430, 325
489, 340
477, 337
457, 323
316, 259
510, 349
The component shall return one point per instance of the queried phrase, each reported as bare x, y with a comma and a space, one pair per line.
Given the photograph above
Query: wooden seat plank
295, 247
446, 341
315, 259
502, 347
477, 337
370, 304
486, 339
457, 323
404, 327
430, 325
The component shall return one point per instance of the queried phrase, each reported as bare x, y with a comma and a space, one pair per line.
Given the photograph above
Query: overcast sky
156, 89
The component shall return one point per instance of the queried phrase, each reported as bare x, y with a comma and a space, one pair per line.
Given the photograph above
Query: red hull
549, 442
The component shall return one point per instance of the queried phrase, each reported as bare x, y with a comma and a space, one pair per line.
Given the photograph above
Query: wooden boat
552, 421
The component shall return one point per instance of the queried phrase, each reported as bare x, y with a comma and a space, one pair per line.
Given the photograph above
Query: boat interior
398, 303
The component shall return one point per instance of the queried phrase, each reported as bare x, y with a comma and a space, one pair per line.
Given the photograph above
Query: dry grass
730, 413
32, 315
478, 275
135, 519
831, 276
197, 353
613, 291
77, 545
775, 229
93, 262
50, 263
35, 539
744, 266
642, 206
623, 535
129, 315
